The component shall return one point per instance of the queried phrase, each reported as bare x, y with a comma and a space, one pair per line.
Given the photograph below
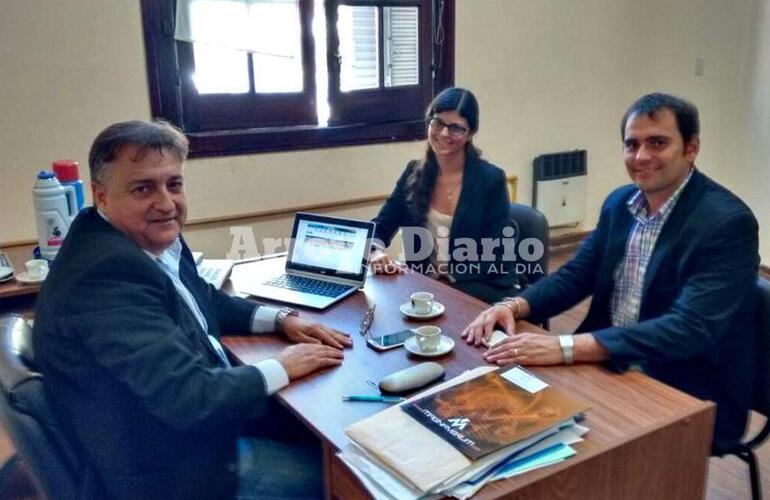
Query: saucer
436, 311
444, 347
6, 274
24, 278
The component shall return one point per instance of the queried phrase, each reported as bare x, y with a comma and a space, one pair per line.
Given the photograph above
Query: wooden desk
646, 440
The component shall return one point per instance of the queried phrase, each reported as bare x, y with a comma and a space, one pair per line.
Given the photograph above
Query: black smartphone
390, 340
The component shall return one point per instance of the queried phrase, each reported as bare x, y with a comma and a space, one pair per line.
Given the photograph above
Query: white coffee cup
422, 302
428, 337
37, 269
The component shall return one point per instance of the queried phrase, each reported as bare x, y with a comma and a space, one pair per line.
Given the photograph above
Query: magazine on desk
482, 415
397, 457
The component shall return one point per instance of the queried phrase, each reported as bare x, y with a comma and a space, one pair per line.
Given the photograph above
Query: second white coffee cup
37, 269
422, 302
428, 337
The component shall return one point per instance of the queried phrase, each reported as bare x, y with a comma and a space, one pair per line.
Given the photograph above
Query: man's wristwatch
280, 318
567, 344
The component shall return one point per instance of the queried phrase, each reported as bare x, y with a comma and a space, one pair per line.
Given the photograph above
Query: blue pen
377, 399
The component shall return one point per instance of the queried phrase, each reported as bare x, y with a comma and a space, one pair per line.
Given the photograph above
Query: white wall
550, 75
755, 177
71, 68
558, 75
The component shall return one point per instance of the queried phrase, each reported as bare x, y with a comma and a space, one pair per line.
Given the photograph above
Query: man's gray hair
159, 135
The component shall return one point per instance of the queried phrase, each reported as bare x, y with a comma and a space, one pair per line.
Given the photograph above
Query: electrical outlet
700, 66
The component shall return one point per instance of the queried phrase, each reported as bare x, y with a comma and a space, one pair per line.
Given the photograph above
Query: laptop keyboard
308, 285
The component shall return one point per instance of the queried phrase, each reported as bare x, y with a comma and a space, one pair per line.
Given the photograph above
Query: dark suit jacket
696, 322
483, 210
133, 377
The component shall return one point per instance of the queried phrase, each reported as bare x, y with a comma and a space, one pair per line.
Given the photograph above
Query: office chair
761, 398
26, 415
532, 224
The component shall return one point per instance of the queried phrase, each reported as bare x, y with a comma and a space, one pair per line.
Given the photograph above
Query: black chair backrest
762, 381
532, 224
26, 415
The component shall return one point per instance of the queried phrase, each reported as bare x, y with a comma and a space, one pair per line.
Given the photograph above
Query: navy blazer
129, 370
696, 322
483, 210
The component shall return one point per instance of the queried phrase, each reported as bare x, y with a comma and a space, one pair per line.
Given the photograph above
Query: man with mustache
671, 268
127, 337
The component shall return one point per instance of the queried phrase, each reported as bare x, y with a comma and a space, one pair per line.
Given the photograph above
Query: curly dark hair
422, 180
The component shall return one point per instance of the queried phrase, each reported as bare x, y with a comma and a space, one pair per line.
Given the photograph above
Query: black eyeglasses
438, 125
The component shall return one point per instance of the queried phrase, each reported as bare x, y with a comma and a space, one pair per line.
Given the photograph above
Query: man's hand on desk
526, 349
540, 349
300, 330
300, 359
482, 327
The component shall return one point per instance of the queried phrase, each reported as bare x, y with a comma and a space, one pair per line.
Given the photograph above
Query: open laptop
328, 260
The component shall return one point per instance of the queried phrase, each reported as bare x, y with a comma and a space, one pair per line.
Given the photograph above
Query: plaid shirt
629, 275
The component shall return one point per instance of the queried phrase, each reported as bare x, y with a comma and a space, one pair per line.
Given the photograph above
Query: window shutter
364, 67
401, 46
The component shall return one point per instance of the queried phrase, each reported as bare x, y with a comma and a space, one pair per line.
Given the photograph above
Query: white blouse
439, 226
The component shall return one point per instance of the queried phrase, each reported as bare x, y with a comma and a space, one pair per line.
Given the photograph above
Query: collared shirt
262, 320
629, 275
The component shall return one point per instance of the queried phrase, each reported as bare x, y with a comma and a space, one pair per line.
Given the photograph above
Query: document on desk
384, 484
396, 443
492, 411
548, 451
403, 445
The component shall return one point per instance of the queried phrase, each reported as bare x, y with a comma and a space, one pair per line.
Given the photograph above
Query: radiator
559, 190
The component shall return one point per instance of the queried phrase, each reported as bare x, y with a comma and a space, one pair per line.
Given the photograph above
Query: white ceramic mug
428, 337
37, 269
422, 302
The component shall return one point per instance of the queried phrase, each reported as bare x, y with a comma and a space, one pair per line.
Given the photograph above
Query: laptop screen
330, 246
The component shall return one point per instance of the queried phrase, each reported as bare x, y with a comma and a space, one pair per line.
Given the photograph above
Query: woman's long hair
422, 180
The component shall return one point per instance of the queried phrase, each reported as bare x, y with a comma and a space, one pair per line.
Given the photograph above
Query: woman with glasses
452, 206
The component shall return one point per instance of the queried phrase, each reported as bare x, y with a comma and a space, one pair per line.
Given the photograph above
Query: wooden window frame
168, 99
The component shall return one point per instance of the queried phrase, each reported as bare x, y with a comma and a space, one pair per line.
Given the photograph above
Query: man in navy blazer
127, 337
671, 268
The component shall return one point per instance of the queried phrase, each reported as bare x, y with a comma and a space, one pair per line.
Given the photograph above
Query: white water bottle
55, 209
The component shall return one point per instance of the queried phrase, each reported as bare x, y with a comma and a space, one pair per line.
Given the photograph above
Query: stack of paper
213, 271
398, 456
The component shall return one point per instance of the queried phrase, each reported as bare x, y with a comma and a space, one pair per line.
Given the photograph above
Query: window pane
401, 46
357, 28
278, 34
220, 71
